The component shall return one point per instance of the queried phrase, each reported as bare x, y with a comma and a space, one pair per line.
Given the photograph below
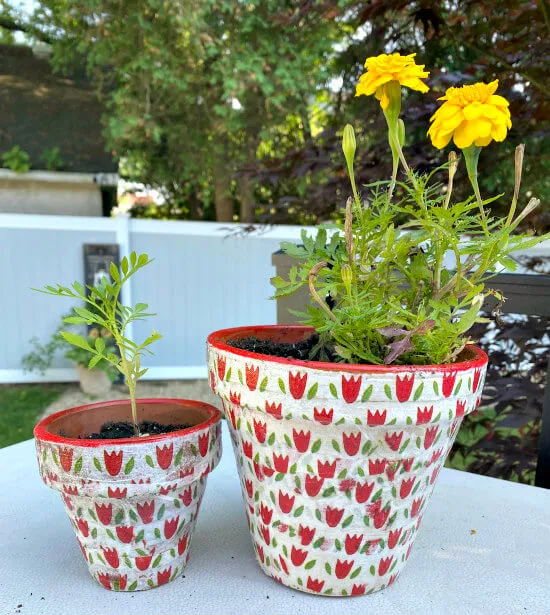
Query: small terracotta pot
337, 462
94, 381
133, 502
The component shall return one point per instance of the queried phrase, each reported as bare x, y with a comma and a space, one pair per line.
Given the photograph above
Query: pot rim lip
217, 340
41, 432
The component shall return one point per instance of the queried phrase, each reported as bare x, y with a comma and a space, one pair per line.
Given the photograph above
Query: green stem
130, 383
437, 273
394, 143
471, 156
391, 113
126, 370
440, 255
395, 157
353, 186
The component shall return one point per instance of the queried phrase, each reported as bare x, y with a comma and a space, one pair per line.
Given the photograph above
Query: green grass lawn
20, 407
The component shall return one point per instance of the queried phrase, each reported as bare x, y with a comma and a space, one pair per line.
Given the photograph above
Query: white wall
47, 192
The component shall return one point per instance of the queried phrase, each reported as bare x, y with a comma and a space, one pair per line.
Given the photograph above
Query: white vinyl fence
205, 276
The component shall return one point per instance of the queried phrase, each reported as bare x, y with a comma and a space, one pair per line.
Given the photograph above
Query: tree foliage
238, 104
461, 42
193, 87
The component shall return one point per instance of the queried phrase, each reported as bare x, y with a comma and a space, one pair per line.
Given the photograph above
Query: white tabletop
483, 548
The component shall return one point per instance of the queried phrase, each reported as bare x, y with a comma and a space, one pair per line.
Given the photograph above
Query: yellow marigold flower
471, 115
384, 69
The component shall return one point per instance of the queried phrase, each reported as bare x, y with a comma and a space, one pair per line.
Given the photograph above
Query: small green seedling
108, 312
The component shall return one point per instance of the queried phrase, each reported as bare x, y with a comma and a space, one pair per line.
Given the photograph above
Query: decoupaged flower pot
133, 502
337, 462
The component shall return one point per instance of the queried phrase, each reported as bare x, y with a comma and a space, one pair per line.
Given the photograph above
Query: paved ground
185, 389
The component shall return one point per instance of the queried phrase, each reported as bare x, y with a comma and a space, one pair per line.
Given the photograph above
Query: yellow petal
491, 112
444, 139
361, 90
501, 116
492, 87
451, 124
379, 81
440, 140
414, 83
383, 98
465, 134
483, 141
498, 132
365, 85
447, 111
497, 100
482, 127
393, 67
473, 110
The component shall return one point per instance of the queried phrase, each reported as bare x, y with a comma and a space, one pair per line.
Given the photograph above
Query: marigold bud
347, 276
348, 144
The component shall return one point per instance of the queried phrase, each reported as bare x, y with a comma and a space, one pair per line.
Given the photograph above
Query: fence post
123, 240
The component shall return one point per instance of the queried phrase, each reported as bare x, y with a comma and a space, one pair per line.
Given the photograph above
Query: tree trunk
245, 189
222, 193
246, 182
194, 205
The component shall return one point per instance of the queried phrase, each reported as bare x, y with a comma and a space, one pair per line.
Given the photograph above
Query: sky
28, 6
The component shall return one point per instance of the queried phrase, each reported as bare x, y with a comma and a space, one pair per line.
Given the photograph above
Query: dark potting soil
125, 429
301, 350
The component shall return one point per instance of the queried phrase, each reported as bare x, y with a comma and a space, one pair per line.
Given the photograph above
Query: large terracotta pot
337, 462
132, 502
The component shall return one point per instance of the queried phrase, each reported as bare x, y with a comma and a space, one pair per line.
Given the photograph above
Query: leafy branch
108, 312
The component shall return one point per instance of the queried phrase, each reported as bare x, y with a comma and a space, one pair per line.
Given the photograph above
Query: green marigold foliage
380, 292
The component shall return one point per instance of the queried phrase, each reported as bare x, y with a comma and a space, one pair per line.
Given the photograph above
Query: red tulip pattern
337, 466
404, 386
124, 499
164, 455
323, 416
297, 384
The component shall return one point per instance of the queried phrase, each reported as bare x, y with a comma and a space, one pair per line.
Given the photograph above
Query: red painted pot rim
41, 429
218, 340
